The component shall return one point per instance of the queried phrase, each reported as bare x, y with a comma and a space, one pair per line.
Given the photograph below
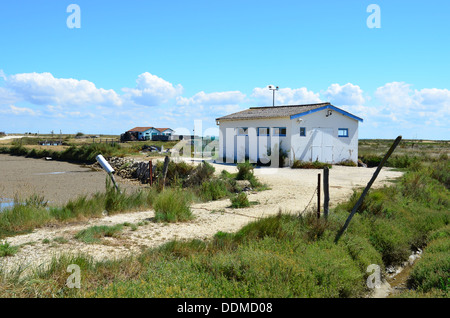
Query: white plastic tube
105, 165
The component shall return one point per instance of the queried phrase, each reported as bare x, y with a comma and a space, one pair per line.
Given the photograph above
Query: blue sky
168, 63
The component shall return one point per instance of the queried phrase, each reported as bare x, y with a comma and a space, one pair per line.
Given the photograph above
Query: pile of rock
129, 168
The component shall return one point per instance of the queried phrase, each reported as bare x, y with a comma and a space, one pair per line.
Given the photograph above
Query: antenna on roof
273, 88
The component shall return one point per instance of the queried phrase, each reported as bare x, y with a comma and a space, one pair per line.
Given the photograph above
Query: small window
279, 131
263, 131
343, 132
242, 131
302, 131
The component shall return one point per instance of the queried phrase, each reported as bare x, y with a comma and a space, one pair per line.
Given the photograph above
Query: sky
108, 66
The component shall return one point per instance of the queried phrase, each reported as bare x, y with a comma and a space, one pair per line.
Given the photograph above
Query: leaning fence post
326, 191
361, 198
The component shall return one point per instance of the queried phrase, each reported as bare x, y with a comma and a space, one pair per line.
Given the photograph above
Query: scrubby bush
299, 164
240, 201
432, 271
347, 163
245, 171
200, 174
213, 190
172, 205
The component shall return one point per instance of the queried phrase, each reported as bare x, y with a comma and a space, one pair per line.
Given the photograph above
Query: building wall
232, 146
343, 148
317, 127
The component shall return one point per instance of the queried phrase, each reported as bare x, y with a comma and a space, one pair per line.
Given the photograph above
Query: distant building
310, 132
148, 133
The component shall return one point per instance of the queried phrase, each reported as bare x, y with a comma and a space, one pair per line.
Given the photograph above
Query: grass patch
94, 234
283, 255
33, 213
7, 249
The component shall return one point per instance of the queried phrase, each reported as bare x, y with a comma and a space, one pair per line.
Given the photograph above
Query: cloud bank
395, 107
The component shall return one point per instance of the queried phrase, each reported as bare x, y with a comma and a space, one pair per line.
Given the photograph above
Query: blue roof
329, 106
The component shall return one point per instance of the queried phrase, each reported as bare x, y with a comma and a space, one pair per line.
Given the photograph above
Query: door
322, 145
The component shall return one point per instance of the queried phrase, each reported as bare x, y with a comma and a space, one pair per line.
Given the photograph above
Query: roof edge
329, 106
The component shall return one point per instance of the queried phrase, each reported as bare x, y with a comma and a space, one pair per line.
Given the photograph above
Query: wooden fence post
165, 168
326, 191
361, 198
150, 168
318, 196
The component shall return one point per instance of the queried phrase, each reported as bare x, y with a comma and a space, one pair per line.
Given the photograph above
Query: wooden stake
361, 198
318, 196
326, 191
165, 168
150, 168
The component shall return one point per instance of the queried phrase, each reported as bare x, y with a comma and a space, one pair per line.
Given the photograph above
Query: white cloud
347, 94
11, 109
424, 111
395, 94
152, 90
285, 96
44, 89
401, 99
2, 74
212, 99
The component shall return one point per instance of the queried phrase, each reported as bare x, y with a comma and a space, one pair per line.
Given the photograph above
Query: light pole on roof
273, 88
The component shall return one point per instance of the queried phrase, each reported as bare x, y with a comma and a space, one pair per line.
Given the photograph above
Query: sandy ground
291, 191
57, 181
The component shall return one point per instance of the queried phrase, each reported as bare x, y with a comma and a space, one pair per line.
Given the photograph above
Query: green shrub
200, 174
172, 205
7, 250
371, 160
298, 164
213, 190
348, 163
391, 240
240, 201
441, 172
245, 171
432, 270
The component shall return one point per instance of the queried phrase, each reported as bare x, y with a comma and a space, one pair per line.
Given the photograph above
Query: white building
310, 132
146, 133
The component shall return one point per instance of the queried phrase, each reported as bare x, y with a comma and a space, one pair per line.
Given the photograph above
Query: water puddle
6, 203
57, 172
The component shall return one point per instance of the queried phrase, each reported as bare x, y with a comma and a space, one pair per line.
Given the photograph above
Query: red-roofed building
146, 133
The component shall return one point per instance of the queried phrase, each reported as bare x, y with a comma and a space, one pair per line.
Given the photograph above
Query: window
242, 131
343, 132
279, 131
263, 131
302, 131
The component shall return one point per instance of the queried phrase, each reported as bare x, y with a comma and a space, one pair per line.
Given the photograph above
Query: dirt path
291, 190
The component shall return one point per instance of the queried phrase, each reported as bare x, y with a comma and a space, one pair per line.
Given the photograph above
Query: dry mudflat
291, 191
56, 181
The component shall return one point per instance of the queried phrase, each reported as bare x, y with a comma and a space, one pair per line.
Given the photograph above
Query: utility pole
273, 89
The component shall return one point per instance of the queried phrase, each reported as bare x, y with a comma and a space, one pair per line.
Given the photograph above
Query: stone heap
129, 168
